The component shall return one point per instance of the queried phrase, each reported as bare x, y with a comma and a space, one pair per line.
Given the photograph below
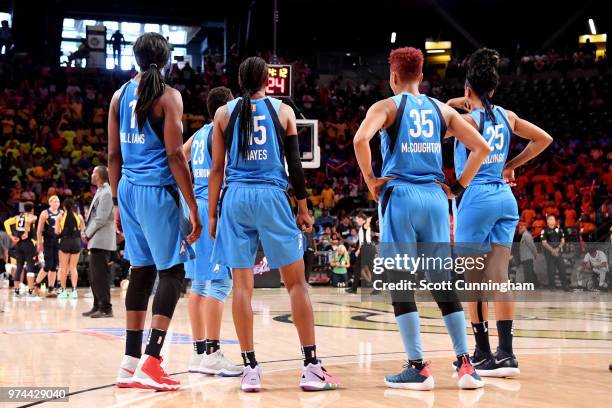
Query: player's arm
172, 105
294, 166
460, 103
539, 140
39, 230
187, 149
378, 117
217, 168
469, 136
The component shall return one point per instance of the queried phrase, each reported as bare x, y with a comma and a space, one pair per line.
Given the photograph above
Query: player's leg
197, 319
74, 273
435, 238
214, 361
20, 258
64, 259
283, 245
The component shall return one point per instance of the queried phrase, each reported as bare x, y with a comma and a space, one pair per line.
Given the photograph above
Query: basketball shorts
218, 289
202, 268
70, 245
151, 219
415, 223
250, 214
486, 214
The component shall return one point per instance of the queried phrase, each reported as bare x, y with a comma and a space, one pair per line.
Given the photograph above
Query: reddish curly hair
407, 62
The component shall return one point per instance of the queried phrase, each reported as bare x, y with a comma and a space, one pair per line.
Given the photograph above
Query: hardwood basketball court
563, 349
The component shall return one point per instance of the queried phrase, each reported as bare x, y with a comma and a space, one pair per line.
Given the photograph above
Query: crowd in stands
53, 132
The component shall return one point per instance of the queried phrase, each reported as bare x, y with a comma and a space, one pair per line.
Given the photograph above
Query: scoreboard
279, 81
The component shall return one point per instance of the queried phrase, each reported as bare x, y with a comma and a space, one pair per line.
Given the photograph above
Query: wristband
457, 188
115, 202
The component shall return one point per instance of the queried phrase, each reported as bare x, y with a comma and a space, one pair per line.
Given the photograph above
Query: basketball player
211, 284
47, 243
68, 228
414, 205
145, 149
488, 213
21, 230
258, 133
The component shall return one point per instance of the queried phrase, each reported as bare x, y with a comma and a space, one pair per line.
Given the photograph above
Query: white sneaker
126, 371
194, 363
217, 364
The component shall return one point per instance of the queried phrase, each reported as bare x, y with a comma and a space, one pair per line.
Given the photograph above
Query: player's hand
212, 227
24, 236
39, 248
508, 176
118, 220
461, 103
15, 240
376, 184
446, 188
196, 225
304, 221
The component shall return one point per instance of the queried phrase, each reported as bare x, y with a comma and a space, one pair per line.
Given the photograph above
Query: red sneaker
468, 377
150, 374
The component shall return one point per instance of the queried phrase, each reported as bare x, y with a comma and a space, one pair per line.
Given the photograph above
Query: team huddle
206, 220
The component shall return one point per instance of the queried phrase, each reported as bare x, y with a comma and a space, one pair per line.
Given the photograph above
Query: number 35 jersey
412, 146
264, 163
497, 133
142, 149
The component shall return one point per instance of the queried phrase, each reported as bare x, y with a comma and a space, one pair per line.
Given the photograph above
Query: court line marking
578, 350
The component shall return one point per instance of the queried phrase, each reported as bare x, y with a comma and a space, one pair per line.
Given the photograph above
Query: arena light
592, 26
393, 37
434, 51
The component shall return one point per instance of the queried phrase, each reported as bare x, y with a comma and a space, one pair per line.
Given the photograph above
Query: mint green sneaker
62, 294
73, 294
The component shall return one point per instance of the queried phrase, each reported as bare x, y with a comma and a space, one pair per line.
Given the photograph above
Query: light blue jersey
254, 207
487, 212
412, 146
265, 163
497, 134
144, 156
201, 160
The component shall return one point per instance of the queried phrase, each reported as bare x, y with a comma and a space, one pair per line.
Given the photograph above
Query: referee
553, 240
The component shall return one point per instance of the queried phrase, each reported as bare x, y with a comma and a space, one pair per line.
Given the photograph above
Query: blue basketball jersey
497, 133
201, 160
265, 162
143, 152
412, 146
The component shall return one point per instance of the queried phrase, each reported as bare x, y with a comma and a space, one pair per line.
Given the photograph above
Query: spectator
340, 263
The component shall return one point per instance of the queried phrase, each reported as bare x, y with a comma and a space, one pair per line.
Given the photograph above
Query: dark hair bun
482, 72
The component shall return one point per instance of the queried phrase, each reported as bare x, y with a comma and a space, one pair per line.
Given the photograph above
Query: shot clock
279, 81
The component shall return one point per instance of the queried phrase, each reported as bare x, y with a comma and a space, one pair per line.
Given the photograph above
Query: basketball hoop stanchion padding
308, 134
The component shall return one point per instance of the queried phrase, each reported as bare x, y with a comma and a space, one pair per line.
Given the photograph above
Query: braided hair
483, 77
252, 75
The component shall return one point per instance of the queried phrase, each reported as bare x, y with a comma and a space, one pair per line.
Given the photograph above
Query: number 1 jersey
143, 152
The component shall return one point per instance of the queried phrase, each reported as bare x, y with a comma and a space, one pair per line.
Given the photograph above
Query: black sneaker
501, 365
101, 315
92, 311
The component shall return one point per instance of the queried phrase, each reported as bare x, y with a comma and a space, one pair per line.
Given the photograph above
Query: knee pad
168, 290
447, 300
219, 289
139, 290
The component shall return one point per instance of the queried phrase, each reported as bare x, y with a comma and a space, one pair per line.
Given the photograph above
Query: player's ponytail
152, 52
482, 76
252, 75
